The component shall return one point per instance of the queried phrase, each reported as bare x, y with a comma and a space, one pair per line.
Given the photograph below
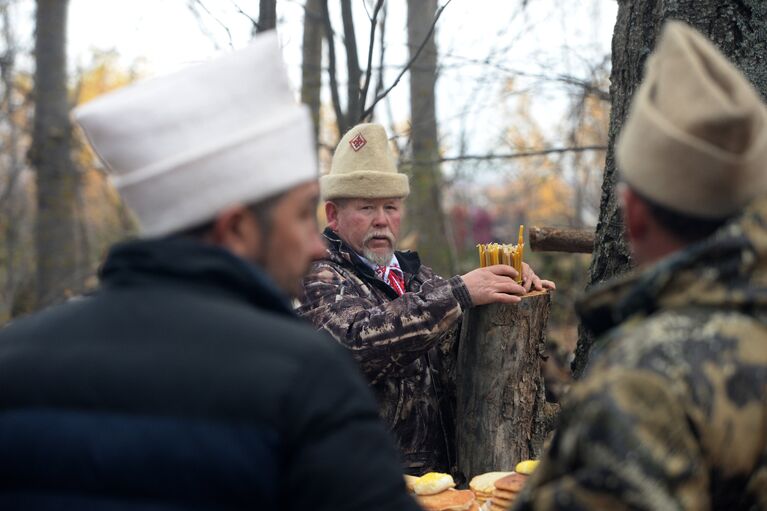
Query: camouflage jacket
405, 344
672, 412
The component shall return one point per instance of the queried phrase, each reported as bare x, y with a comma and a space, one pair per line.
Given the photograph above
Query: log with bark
502, 414
556, 239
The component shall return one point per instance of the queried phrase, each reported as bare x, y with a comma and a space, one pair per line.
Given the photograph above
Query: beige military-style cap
695, 139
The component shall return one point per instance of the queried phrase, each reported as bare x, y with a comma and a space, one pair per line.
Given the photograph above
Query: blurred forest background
503, 112
498, 110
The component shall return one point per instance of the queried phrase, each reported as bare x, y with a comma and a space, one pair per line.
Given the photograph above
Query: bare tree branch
511, 156
340, 119
585, 84
192, 7
371, 44
254, 22
378, 98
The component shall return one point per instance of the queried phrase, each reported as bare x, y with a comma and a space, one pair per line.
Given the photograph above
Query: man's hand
493, 284
531, 281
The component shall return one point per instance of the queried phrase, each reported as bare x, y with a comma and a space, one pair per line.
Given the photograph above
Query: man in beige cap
672, 411
397, 317
185, 381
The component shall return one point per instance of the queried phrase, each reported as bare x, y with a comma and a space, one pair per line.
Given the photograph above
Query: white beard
378, 258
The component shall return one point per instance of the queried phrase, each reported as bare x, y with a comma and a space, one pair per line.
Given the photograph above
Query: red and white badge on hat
358, 142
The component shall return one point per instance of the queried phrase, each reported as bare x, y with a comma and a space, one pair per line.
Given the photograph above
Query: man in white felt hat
672, 413
185, 381
399, 319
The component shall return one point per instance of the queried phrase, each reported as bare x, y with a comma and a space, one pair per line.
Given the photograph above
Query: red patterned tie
393, 276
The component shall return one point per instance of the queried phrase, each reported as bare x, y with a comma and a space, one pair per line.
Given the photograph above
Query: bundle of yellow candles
498, 253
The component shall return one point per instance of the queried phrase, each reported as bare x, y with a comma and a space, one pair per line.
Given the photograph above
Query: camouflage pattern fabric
404, 345
672, 412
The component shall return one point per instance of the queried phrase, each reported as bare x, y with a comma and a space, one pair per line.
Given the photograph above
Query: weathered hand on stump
531, 281
493, 284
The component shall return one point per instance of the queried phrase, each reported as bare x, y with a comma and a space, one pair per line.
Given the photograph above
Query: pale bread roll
485, 483
433, 483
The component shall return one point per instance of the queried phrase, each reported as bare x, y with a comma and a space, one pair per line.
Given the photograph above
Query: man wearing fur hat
671, 413
185, 381
396, 316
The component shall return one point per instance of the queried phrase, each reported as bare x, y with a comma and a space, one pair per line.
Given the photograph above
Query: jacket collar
725, 271
341, 253
190, 263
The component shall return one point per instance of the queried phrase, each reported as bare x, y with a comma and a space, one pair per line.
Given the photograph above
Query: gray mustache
379, 234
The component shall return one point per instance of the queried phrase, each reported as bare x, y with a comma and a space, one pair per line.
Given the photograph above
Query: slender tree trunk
57, 180
353, 72
311, 66
267, 15
332, 79
737, 27
426, 216
9, 197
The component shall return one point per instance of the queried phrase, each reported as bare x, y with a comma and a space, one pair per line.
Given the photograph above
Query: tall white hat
182, 147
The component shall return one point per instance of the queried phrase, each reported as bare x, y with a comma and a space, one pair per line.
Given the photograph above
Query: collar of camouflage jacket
342, 253
727, 270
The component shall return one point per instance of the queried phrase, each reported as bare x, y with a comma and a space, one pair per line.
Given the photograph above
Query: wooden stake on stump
502, 414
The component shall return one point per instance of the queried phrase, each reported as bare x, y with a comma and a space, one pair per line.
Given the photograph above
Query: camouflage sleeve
624, 442
384, 338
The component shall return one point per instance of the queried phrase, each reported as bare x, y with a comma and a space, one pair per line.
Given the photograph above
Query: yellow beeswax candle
521, 247
496, 257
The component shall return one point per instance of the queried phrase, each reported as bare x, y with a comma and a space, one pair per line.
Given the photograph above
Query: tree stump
502, 414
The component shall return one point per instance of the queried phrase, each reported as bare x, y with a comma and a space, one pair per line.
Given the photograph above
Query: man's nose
380, 219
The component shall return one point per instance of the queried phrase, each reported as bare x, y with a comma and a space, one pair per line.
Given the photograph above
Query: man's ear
636, 216
331, 214
237, 230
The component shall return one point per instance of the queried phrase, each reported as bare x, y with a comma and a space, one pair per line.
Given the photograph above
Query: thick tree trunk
737, 27
311, 66
57, 181
502, 414
267, 15
426, 216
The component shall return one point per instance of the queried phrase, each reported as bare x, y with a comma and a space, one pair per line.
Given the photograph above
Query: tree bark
58, 272
11, 218
555, 239
267, 15
502, 414
426, 217
353, 72
311, 66
737, 27
332, 75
